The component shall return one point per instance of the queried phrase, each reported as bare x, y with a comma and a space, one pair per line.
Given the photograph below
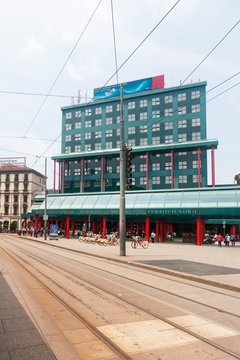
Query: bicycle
136, 241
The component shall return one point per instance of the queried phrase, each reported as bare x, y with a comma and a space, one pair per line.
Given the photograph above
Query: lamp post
45, 217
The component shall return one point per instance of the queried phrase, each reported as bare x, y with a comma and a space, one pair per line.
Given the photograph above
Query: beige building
18, 186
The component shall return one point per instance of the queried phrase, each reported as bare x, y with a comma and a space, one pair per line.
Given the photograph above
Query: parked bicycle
137, 241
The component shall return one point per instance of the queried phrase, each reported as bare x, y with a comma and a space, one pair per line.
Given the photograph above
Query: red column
59, 176
63, 174
213, 168
104, 225
199, 168
233, 230
82, 160
131, 229
54, 176
172, 183
138, 229
73, 227
102, 175
147, 227
36, 221
100, 227
94, 226
40, 223
56, 220
25, 223
86, 224
198, 231
147, 170
48, 228
30, 226
67, 226
157, 230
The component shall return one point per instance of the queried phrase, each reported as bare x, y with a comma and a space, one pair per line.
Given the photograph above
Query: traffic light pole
122, 217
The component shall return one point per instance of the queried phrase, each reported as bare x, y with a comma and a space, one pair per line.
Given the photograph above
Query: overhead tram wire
24, 138
60, 72
125, 61
36, 94
23, 153
233, 86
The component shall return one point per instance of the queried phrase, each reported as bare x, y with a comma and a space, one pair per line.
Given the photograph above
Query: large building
166, 129
18, 186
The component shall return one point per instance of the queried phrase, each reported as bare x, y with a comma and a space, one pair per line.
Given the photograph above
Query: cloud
32, 47
82, 71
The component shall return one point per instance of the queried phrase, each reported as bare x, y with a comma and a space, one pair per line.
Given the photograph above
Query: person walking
228, 238
233, 239
219, 240
153, 236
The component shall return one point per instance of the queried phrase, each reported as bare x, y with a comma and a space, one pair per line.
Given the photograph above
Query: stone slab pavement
209, 264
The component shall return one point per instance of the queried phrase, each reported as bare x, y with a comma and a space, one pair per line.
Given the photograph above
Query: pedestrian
153, 236
228, 238
219, 240
233, 240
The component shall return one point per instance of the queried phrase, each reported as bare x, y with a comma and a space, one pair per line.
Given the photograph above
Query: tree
237, 178
13, 226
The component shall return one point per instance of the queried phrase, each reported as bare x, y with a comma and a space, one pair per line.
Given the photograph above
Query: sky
37, 37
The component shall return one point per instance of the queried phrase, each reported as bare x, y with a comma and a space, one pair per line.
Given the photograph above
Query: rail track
80, 281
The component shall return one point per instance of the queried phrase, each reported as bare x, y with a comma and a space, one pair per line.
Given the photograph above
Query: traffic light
129, 168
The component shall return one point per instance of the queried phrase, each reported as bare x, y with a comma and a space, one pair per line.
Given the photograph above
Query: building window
155, 127
143, 115
78, 125
98, 110
24, 209
6, 198
118, 119
131, 117
88, 112
143, 167
67, 172
109, 120
156, 101
76, 172
182, 179
131, 142
118, 169
67, 149
118, 132
168, 112
196, 108
109, 108
109, 169
195, 164
98, 122
118, 107
168, 166
168, 99
168, 139
87, 147
168, 126
143, 103
77, 137
156, 140
143, 128
182, 110
108, 133
78, 113
109, 145
182, 97
77, 148
195, 178
88, 123
182, 165
155, 114
182, 124
143, 142
133, 168
68, 138
196, 122
143, 156
87, 136
195, 94
6, 210
97, 170
68, 126
98, 134
155, 167
156, 180
131, 130
168, 179
182, 137
131, 105
98, 146
143, 180
68, 115
181, 153
196, 136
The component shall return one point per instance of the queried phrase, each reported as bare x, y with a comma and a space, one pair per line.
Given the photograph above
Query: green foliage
13, 226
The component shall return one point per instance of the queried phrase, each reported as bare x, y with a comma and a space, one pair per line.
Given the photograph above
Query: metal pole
122, 180
45, 210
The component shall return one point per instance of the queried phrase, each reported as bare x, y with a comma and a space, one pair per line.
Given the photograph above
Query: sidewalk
208, 263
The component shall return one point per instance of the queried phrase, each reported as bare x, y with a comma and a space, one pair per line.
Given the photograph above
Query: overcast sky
38, 35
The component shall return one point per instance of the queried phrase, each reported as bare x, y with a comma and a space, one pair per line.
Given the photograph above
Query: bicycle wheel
134, 244
145, 244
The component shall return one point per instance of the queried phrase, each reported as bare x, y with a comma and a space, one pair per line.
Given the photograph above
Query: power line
114, 42
133, 52
23, 153
38, 94
24, 138
60, 72
233, 86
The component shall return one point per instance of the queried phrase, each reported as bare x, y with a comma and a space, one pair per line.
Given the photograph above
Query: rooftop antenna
79, 97
72, 100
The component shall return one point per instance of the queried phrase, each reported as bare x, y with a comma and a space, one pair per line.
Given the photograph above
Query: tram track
76, 279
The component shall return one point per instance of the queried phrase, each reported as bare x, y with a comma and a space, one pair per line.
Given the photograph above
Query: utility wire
36, 94
60, 72
133, 52
24, 138
233, 86
114, 42
23, 153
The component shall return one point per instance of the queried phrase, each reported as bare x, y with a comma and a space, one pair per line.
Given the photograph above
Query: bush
13, 226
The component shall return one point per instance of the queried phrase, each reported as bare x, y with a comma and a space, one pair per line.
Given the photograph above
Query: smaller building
18, 186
